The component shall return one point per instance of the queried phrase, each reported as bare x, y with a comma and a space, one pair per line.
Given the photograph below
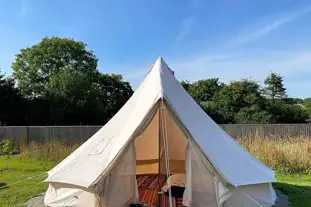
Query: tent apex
160, 61
161, 64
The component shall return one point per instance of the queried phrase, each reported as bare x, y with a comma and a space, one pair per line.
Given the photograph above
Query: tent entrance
161, 140
163, 150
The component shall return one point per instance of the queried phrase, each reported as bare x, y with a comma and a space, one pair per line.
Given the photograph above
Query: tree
274, 87
293, 100
116, 90
186, 85
234, 97
34, 66
307, 104
286, 113
78, 98
60, 79
204, 90
253, 114
11, 102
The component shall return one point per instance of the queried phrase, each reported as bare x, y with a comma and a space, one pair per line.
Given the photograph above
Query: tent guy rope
23, 180
21, 190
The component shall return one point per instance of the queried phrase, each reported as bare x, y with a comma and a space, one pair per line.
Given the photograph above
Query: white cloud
259, 30
185, 28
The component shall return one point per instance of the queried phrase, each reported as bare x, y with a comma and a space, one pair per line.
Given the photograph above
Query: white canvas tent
161, 129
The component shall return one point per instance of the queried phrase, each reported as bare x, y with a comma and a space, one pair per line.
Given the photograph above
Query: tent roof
91, 159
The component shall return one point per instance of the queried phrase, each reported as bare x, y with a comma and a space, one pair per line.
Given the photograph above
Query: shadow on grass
2, 186
299, 196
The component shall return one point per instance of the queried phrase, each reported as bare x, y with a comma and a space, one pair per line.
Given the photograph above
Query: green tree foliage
77, 98
186, 85
11, 102
307, 104
203, 91
241, 102
8, 147
60, 80
286, 113
274, 87
253, 114
235, 97
34, 66
293, 100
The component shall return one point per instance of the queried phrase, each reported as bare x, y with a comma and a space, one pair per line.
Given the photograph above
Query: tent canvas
161, 129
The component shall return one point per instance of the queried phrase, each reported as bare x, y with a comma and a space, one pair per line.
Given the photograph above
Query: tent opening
169, 167
160, 136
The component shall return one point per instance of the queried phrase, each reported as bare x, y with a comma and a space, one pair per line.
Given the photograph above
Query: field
289, 156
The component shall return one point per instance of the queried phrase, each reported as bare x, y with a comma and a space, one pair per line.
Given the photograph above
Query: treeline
246, 102
57, 82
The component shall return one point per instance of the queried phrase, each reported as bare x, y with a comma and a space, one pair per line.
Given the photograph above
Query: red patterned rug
149, 187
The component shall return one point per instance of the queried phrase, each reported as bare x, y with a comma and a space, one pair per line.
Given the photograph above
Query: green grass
13, 169
297, 187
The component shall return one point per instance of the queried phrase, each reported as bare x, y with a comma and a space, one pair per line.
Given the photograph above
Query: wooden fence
78, 134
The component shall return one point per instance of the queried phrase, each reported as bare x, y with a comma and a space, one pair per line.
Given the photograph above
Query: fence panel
267, 130
75, 134
78, 134
15, 133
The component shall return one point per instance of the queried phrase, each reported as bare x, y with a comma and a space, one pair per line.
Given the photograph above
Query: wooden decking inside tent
149, 187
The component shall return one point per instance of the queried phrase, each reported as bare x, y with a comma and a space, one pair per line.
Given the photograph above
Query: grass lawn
297, 187
12, 169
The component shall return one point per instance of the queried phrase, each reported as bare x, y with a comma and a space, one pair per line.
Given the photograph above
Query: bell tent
160, 132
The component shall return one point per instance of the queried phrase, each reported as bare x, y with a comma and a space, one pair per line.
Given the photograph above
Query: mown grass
289, 156
14, 169
297, 187
33, 162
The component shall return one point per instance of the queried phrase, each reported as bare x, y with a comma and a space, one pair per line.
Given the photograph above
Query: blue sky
197, 38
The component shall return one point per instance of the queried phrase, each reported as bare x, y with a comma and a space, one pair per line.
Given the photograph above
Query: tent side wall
119, 187
147, 148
